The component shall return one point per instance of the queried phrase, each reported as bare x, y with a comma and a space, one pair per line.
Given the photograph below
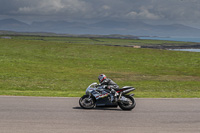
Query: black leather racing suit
109, 87
110, 84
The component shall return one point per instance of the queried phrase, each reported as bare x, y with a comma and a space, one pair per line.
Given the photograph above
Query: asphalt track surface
63, 115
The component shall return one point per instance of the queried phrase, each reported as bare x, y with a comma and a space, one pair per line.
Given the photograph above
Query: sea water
190, 50
177, 39
184, 39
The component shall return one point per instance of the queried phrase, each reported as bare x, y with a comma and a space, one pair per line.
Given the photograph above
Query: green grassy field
104, 41
58, 66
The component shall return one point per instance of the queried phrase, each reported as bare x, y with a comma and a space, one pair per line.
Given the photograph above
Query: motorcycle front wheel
129, 104
87, 102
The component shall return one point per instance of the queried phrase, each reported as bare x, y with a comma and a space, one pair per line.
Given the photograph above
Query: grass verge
34, 67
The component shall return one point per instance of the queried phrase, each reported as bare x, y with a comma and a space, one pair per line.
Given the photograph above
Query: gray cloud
183, 11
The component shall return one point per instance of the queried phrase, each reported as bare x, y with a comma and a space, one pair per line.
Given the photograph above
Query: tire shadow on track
100, 108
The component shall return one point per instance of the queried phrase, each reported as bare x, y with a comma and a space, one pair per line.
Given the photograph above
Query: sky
185, 12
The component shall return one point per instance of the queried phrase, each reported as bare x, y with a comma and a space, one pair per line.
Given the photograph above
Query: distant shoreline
164, 45
196, 46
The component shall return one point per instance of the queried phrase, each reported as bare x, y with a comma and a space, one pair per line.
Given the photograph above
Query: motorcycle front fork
89, 98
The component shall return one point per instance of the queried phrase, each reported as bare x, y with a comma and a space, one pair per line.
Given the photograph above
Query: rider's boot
113, 96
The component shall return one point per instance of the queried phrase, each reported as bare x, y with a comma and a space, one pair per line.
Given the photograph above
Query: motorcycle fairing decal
120, 90
102, 96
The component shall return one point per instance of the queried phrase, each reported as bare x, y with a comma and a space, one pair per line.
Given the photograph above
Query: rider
110, 85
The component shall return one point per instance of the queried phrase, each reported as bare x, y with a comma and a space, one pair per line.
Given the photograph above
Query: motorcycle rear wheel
129, 104
87, 102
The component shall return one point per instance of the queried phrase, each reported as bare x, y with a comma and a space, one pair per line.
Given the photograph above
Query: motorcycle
97, 96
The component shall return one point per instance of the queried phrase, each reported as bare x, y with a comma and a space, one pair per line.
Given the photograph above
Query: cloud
43, 7
155, 10
143, 14
53, 7
177, 9
106, 7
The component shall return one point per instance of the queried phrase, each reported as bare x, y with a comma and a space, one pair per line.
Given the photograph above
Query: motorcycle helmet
101, 78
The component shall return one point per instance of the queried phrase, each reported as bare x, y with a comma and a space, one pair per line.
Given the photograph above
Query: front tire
87, 102
129, 104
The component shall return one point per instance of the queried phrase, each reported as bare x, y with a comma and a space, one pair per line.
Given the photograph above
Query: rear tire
129, 104
87, 102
